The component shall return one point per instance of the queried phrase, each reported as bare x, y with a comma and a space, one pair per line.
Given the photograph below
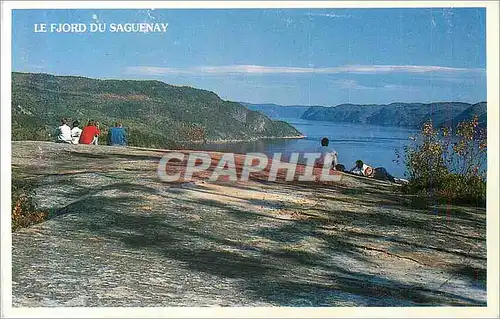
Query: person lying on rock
362, 169
379, 173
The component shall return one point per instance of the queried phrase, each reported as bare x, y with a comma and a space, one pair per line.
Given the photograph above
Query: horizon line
235, 100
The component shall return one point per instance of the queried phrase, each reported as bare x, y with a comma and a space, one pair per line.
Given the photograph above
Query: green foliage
155, 114
448, 164
25, 127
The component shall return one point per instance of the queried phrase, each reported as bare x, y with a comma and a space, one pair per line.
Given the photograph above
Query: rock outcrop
118, 236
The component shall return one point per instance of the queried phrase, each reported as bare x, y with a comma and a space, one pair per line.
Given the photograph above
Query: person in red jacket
89, 133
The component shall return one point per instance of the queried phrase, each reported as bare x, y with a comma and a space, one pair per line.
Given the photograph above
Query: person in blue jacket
117, 135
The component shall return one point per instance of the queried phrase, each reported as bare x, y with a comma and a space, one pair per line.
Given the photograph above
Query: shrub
24, 210
448, 164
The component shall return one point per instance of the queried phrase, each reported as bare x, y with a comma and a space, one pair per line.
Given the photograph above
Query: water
374, 145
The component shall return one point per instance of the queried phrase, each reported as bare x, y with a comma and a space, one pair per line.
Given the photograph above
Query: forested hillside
399, 114
155, 114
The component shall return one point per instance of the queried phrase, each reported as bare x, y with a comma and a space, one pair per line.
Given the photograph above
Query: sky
283, 56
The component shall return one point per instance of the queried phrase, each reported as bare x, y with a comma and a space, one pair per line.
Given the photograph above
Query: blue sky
283, 56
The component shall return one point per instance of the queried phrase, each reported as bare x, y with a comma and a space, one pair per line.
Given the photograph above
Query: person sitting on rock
89, 133
63, 132
96, 138
75, 132
327, 153
117, 136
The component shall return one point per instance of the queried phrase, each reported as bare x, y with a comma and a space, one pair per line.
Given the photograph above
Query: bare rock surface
118, 236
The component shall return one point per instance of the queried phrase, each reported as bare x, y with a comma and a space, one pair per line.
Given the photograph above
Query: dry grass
24, 212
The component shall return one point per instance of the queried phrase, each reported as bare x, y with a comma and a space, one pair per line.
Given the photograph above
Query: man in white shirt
75, 132
64, 132
328, 154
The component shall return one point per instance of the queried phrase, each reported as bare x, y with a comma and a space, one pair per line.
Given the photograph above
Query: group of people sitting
359, 168
89, 134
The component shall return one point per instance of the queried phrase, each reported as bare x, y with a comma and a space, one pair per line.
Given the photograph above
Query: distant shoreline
200, 142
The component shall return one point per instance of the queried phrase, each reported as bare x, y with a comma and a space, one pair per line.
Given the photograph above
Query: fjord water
375, 145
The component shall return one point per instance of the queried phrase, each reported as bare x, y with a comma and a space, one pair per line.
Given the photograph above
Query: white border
492, 209
241, 4
5, 152
492, 310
